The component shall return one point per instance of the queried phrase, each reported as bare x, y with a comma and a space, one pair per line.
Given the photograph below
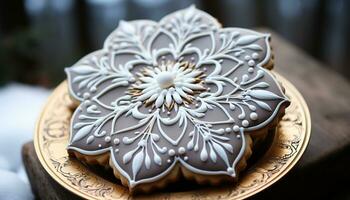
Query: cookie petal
246, 90
189, 21
94, 72
92, 127
186, 26
140, 153
213, 150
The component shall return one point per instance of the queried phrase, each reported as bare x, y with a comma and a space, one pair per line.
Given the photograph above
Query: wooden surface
322, 171
43, 186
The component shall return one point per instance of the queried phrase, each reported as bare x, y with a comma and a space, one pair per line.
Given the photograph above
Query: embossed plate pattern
51, 138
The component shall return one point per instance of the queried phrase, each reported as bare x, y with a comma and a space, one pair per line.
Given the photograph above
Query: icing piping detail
180, 91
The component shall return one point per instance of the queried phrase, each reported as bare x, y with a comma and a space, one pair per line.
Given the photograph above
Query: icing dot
228, 130
251, 63
192, 58
99, 145
165, 79
221, 130
196, 105
255, 55
168, 113
116, 150
125, 140
252, 108
93, 89
169, 161
107, 139
87, 102
204, 69
150, 110
163, 57
235, 128
79, 94
86, 95
132, 79
116, 141
171, 152
238, 136
245, 123
230, 170
253, 116
208, 89
237, 54
186, 158
250, 70
181, 150
247, 57
155, 137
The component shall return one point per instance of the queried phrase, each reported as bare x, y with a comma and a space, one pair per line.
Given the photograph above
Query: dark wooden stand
323, 171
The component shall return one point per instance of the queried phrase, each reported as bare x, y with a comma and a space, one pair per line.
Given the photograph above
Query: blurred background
38, 38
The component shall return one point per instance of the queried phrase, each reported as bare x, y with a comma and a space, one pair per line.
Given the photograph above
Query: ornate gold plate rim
51, 137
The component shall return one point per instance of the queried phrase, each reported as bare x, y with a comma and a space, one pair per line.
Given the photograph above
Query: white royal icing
178, 85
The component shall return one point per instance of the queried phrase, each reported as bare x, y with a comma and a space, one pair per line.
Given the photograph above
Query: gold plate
51, 138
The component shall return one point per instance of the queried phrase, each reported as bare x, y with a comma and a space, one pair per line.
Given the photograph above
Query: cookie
180, 98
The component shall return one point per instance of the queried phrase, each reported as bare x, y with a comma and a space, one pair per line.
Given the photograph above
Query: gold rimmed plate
52, 133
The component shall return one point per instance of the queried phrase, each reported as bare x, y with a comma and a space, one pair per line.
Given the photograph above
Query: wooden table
322, 172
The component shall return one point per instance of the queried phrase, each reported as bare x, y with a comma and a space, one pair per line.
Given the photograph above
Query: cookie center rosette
183, 93
171, 84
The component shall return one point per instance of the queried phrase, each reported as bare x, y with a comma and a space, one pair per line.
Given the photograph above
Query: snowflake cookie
179, 97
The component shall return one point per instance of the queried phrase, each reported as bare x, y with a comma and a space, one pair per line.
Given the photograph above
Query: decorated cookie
179, 97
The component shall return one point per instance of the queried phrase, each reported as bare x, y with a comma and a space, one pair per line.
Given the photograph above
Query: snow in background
20, 106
